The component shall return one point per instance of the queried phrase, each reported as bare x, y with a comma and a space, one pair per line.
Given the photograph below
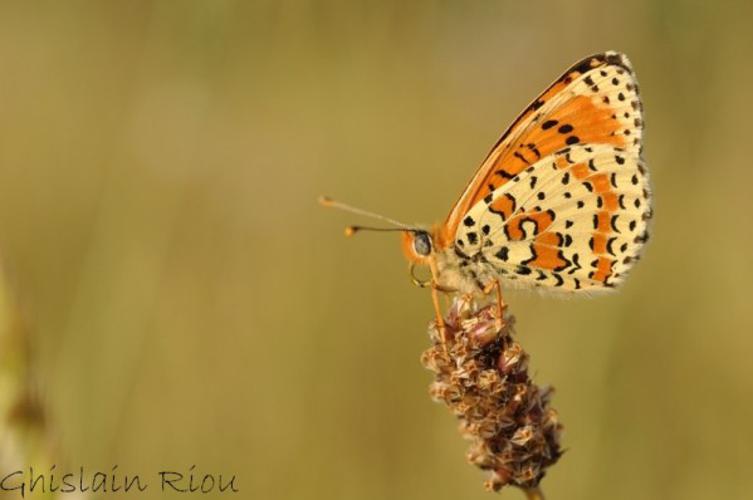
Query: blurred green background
191, 304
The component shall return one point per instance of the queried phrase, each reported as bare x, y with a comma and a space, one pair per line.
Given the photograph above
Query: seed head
482, 377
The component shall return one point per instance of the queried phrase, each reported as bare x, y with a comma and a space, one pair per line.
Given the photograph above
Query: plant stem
534, 493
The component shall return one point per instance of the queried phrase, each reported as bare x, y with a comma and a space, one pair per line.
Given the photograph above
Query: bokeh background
189, 303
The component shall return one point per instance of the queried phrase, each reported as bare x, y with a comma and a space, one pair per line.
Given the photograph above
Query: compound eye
422, 244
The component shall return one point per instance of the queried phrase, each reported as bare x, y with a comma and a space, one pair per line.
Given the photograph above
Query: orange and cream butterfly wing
563, 198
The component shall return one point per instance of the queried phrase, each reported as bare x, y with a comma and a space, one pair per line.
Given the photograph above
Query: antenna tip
325, 201
350, 231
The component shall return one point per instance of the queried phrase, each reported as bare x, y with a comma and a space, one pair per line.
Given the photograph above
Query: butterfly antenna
326, 201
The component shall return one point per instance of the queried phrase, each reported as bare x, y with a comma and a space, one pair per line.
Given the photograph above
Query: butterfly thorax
466, 274
452, 269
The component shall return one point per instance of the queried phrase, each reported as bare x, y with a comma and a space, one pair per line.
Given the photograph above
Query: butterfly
561, 202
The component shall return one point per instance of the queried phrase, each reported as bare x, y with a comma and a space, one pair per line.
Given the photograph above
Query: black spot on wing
613, 223
560, 280
504, 174
532, 248
564, 266
610, 242
521, 158
641, 238
502, 254
616, 59
549, 124
575, 263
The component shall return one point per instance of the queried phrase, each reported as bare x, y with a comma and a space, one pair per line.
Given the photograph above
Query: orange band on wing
603, 269
599, 243
503, 206
541, 220
609, 199
548, 255
602, 222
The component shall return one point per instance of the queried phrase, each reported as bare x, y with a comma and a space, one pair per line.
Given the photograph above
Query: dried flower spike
482, 376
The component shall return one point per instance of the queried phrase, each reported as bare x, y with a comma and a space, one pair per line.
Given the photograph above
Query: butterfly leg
495, 286
435, 289
438, 312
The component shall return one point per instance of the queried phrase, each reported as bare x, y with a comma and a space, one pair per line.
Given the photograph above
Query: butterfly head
417, 245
